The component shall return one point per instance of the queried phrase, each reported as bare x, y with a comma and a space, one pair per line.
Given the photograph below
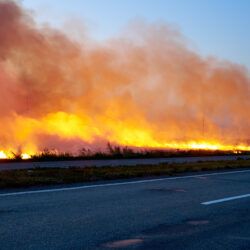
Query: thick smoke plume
143, 89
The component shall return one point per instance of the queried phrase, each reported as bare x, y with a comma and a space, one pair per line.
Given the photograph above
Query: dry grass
40, 177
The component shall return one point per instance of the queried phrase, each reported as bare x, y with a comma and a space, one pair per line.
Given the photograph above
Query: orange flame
147, 90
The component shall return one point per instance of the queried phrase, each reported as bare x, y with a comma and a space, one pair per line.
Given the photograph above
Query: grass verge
48, 176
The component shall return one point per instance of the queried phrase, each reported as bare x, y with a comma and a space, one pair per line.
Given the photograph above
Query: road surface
203, 211
119, 162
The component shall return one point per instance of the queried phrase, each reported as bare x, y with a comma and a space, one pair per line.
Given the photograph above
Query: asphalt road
205, 211
119, 162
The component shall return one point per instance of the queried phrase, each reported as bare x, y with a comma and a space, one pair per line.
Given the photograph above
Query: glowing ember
148, 90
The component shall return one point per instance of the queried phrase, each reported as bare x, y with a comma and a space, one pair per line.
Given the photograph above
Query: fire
3, 155
25, 156
129, 133
10, 155
146, 90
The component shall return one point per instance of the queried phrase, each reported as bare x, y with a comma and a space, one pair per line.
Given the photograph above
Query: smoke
146, 88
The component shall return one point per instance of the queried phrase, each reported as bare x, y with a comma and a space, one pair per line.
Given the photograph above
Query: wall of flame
146, 88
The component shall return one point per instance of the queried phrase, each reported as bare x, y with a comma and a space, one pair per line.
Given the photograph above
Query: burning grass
41, 177
146, 88
119, 152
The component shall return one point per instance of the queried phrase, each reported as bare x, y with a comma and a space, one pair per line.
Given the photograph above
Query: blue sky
215, 27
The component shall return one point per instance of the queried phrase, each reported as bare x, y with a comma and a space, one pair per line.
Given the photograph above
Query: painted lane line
226, 199
119, 183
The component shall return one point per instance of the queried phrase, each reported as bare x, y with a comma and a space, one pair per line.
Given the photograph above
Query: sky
214, 27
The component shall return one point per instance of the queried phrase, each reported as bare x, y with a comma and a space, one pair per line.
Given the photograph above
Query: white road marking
119, 183
226, 199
